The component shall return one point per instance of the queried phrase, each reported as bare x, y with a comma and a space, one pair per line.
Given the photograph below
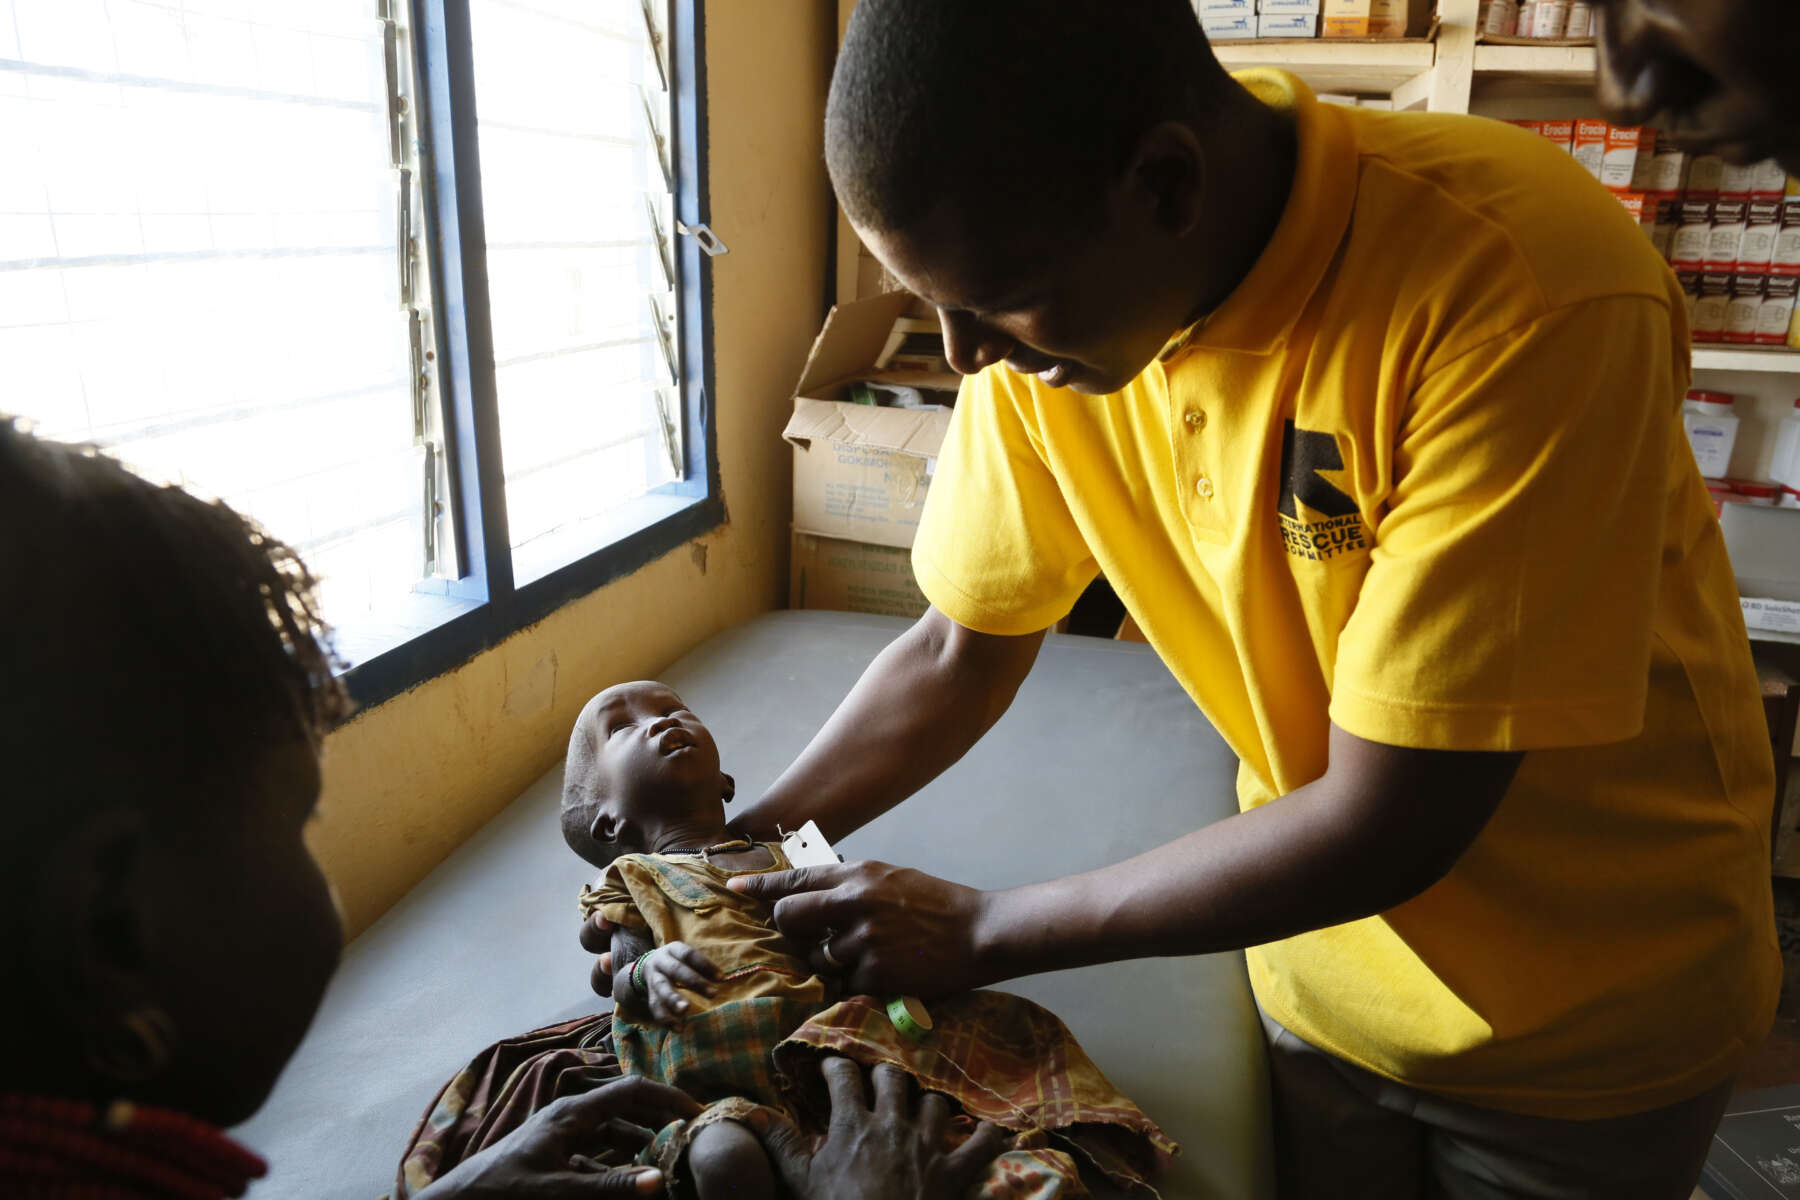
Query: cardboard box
1736, 181
1229, 8
1777, 616
1560, 132
1346, 18
1618, 160
1743, 309
1762, 229
1220, 27
1287, 25
1643, 167
1729, 220
1690, 291
1708, 321
1642, 208
1399, 18
1693, 230
1669, 171
1768, 181
861, 472
1668, 219
1288, 7
1777, 312
843, 576
1589, 146
1787, 241
1764, 545
1704, 173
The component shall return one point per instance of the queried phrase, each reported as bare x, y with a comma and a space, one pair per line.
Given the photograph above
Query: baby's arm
651, 978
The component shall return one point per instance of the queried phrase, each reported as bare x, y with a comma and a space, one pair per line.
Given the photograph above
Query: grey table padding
1101, 756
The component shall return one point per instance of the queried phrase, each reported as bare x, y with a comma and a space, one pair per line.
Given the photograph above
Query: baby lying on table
712, 998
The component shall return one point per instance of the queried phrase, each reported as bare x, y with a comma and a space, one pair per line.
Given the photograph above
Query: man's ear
1167, 175
729, 786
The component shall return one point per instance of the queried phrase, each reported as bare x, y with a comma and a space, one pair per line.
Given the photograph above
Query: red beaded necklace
72, 1150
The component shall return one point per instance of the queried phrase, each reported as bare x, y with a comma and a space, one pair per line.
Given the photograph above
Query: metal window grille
202, 210
223, 227
577, 193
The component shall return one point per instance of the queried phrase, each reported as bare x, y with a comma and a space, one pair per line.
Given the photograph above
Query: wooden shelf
1712, 358
1538, 64
1360, 68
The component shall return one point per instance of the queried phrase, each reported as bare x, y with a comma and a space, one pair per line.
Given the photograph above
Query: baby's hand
666, 971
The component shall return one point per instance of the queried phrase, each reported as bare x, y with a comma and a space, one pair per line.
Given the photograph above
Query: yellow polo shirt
1422, 475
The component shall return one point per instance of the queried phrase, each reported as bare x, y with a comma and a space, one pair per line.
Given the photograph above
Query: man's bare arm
1380, 826
1383, 824
918, 708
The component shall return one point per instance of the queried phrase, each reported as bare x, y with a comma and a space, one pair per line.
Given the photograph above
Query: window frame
485, 605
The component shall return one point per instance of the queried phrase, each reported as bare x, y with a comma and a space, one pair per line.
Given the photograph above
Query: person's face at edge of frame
1712, 75
1087, 310
245, 937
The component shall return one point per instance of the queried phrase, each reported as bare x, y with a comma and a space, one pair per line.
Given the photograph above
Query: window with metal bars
402, 279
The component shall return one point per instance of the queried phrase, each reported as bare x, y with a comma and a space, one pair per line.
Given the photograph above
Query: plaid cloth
1039, 1082
1001, 1058
718, 1052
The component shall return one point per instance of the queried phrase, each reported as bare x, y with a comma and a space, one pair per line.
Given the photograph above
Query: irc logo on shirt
1319, 520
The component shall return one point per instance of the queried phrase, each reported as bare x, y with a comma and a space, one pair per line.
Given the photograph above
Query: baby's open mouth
673, 740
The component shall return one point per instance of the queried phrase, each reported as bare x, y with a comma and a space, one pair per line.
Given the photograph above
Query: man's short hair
1011, 109
155, 644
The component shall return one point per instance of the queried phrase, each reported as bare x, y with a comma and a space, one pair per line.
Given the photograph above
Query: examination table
1101, 756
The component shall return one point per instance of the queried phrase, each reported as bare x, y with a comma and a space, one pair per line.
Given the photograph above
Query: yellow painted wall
407, 782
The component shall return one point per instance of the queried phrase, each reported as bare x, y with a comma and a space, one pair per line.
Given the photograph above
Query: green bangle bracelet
637, 973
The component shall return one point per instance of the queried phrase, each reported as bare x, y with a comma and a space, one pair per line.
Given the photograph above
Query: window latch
708, 240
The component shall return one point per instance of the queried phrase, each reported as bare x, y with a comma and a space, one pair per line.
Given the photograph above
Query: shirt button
1204, 486
1196, 420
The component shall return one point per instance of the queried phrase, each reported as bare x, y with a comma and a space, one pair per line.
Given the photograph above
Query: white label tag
807, 847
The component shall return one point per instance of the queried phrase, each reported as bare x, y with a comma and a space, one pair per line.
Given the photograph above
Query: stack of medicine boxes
1226, 19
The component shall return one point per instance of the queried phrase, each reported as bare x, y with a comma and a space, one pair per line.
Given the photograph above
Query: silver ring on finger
825, 949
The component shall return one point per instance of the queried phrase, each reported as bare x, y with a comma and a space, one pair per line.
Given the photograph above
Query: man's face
1087, 311
1718, 75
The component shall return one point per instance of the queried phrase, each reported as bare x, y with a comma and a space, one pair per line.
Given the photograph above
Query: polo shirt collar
1257, 316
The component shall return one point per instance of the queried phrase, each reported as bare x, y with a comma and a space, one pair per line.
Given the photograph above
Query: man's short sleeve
997, 549
1513, 579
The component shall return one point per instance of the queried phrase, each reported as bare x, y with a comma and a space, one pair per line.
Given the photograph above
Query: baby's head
642, 775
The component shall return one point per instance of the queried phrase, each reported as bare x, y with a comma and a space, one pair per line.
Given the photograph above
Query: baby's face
637, 758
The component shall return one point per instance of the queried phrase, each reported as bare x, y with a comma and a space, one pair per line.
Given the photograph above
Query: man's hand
666, 972
889, 930
884, 1153
554, 1155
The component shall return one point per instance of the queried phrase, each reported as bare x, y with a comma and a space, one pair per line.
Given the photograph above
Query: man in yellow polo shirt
1371, 419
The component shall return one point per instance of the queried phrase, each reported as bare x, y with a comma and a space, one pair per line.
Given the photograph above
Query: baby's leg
728, 1163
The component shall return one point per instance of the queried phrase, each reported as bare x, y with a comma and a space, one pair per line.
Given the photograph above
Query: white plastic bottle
1498, 17
1551, 20
1712, 429
1784, 468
